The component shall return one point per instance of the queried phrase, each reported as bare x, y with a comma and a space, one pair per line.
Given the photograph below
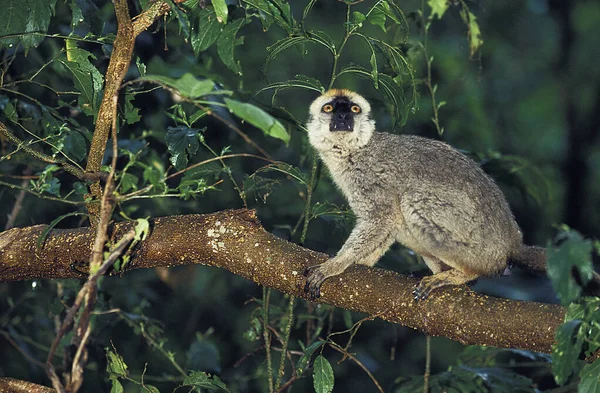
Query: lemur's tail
533, 258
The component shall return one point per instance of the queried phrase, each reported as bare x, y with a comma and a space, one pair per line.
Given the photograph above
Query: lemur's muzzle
342, 121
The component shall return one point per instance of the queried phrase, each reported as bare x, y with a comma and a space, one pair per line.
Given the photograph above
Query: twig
427, 374
355, 360
12, 342
267, 338
72, 169
18, 202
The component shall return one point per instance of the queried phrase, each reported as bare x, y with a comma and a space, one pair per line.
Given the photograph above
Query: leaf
116, 386
74, 145
46, 182
149, 389
392, 92
204, 381
128, 182
590, 378
359, 18
203, 355
26, 22
226, 44
282, 45
322, 375
205, 31
221, 10
181, 142
86, 77
142, 228
272, 11
305, 358
377, 15
287, 169
438, 8
322, 38
473, 31
259, 119
397, 60
182, 18
116, 366
132, 114
312, 82
566, 351
187, 86
569, 265
54, 222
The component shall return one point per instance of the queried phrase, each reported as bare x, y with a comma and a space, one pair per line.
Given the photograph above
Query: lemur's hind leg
448, 277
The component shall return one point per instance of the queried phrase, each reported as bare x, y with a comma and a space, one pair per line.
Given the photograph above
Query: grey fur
417, 191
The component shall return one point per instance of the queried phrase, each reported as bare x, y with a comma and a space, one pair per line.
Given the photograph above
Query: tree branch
235, 240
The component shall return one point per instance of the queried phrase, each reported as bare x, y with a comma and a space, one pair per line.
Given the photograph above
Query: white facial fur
339, 143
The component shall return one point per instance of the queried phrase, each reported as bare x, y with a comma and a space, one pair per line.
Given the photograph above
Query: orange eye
327, 108
355, 109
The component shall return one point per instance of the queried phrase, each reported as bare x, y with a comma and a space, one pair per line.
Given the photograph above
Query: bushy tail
533, 258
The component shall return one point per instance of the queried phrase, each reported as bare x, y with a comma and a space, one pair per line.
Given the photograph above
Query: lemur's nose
342, 116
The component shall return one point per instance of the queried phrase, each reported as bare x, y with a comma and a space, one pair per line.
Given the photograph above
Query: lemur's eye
355, 109
327, 108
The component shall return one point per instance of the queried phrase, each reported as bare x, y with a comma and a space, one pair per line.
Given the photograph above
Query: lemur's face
340, 110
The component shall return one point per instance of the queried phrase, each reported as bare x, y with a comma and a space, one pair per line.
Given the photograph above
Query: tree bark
236, 241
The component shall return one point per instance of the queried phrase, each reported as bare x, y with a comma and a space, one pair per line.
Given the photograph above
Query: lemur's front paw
314, 279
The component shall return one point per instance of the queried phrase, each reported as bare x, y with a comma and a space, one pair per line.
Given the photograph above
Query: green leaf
132, 114
86, 77
269, 11
46, 182
182, 18
142, 228
390, 89
154, 176
438, 8
290, 170
54, 222
322, 38
116, 366
188, 86
282, 45
204, 381
566, 351
259, 119
226, 45
473, 31
590, 378
312, 82
205, 31
377, 15
181, 142
397, 60
221, 10
305, 358
149, 389
322, 375
569, 263
203, 355
359, 18
128, 182
74, 145
116, 386
27, 22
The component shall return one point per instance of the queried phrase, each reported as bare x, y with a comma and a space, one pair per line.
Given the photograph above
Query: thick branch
235, 240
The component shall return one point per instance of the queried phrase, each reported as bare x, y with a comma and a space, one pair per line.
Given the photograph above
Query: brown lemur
419, 192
